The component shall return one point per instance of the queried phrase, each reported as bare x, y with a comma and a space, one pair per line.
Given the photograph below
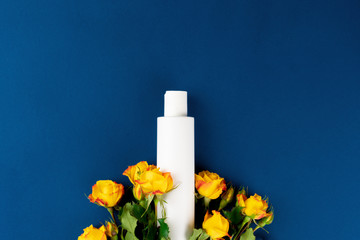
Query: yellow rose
209, 184
91, 233
148, 179
216, 226
106, 193
153, 181
134, 172
254, 206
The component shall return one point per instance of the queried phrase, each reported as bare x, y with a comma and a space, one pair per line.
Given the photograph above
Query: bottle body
175, 154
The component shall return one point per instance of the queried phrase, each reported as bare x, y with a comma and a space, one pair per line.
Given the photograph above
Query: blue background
273, 86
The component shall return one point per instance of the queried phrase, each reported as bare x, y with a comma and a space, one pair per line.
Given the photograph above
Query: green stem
114, 237
122, 234
156, 201
111, 211
257, 227
242, 228
246, 220
207, 202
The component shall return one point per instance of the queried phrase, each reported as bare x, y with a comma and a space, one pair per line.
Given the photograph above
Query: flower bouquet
222, 211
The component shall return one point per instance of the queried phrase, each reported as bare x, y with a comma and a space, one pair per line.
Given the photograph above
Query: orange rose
209, 184
106, 193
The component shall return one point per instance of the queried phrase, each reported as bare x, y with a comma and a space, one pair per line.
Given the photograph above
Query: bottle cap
175, 103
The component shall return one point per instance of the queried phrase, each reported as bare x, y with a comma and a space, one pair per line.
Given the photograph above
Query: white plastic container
175, 154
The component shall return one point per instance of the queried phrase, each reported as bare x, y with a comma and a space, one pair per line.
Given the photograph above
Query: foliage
220, 214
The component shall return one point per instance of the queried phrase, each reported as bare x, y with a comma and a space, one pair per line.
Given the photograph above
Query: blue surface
273, 85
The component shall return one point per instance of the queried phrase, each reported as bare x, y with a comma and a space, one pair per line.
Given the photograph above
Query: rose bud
111, 229
241, 197
226, 198
137, 192
266, 220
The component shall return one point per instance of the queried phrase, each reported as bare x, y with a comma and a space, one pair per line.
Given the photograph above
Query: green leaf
196, 233
164, 229
130, 236
203, 236
248, 235
199, 234
235, 216
138, 212
128, 222
245, 221
148, 202
120, 213
151, 232
226, 214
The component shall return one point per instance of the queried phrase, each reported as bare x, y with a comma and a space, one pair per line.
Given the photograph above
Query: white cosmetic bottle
175, 154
